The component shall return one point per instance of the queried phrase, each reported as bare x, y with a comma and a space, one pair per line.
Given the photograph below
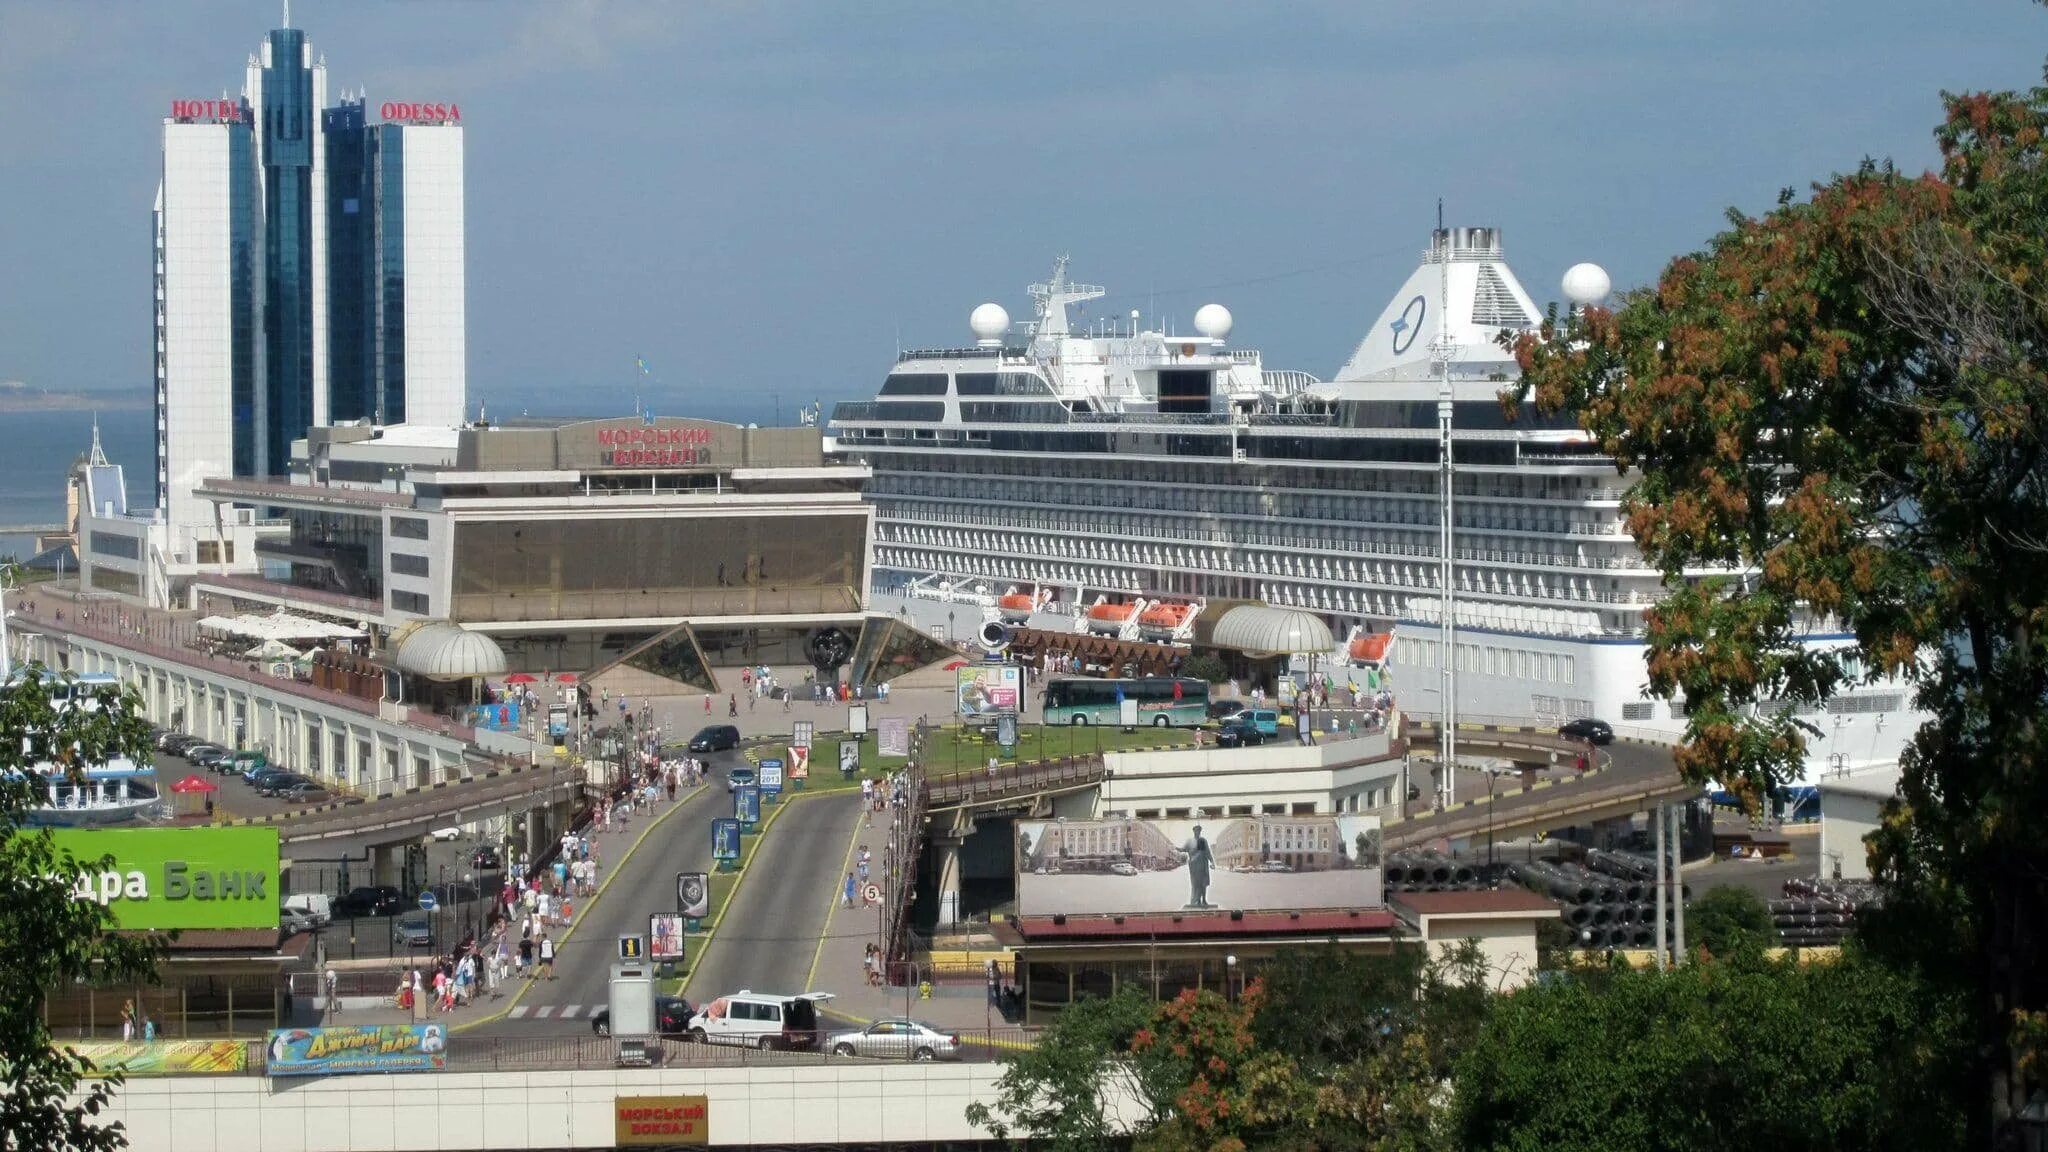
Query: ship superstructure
1038, 474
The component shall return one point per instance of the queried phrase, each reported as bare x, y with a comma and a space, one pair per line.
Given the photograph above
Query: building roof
1260, 629
443, 651
1501, 901
1187, 925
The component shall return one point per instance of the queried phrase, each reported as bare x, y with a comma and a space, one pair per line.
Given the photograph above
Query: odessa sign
161, 878
395, 112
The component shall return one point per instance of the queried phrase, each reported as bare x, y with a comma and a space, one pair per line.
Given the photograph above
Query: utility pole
1657, 821
1443, 350
1677, 886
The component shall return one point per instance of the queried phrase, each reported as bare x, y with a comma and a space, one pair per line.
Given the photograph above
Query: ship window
1184, 390
915, 384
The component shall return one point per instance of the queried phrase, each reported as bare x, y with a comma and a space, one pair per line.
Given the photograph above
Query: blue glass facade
351, 263
288, 266
242, 293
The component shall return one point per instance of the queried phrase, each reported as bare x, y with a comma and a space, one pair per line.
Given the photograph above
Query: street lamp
1491, 780
1230, 977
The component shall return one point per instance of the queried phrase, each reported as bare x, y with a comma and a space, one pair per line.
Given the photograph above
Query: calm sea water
37, 448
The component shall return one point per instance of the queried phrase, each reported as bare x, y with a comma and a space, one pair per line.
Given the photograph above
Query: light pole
1230, 978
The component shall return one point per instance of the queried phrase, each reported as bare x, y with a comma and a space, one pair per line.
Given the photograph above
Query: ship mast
1443, 350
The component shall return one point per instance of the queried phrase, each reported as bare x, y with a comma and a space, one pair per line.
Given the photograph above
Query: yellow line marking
611, 874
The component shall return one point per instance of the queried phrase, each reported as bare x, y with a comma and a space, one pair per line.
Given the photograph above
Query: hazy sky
766, 197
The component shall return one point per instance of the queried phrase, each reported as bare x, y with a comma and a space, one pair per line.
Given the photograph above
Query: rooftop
1197, 925
1498, 902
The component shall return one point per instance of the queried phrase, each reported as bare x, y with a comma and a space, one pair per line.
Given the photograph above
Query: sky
766, 199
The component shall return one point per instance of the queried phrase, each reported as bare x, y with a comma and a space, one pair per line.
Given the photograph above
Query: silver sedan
898, 1039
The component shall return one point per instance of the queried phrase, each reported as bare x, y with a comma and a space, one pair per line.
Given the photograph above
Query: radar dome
989, 322
1586, 284
1213, 321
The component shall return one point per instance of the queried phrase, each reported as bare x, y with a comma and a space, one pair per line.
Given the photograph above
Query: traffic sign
632, 947
427, 902
873, 893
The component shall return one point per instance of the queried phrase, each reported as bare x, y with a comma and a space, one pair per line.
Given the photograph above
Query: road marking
569, 1012
541, 1013
516, 1012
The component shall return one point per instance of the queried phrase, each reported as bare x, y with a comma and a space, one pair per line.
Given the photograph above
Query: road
771, 929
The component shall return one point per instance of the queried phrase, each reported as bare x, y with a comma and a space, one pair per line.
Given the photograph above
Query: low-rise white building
1850, 806
1360, 775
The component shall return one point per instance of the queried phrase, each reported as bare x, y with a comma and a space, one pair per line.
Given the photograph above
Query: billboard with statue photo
1230, 863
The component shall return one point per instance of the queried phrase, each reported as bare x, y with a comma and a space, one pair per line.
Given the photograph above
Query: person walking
547, 955
526, 958
732, 706
127, 1020
846, 900
707, 703
333, 991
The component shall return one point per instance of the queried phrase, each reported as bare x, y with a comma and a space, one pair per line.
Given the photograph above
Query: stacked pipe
1819, 912
1427, 870
1610, 904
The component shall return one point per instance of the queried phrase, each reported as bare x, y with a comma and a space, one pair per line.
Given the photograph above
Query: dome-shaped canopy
1260, 629
441, 651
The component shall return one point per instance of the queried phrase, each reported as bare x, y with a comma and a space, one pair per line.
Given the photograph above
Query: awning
195, 783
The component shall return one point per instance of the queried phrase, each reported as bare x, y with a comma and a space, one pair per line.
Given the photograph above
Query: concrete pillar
946, 867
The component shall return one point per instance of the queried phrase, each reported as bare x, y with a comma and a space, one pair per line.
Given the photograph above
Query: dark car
1588, 729
485, 859
176, 743
206, 755
1239, 734
302, 791
264, 778
375, 900
671, 1017
276, 783
1225, 709
715, 738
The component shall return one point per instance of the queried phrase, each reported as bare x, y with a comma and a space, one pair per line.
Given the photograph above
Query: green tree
1079, 1088
1843, 404
1747, 1053
48, 939
1205, 668
1726, 919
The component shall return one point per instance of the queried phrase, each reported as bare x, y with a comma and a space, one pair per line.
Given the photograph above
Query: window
405, 564
408, 528
109, 544
1641, 710
1679, 711
412, 602
114, 580
216, 551
1304, 808
915, 384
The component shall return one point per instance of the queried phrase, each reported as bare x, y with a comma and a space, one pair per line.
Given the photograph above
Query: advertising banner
1242, 863
1006, 731
496, 717
665, 930
558, 720
771, 776
988, 688
693, 894
895, 736
746, 805
357, 1048
800, 734
165, 1057
849, 757
725, 840
857, 719
663, 1121
164, 878
799, 762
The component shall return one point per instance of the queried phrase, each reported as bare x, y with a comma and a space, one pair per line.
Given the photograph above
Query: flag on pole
641, 363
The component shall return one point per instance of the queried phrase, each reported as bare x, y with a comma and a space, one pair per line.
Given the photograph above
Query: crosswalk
552, 1011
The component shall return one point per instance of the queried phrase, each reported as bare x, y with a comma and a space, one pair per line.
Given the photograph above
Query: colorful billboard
771, 776
988, 688
504, 717
746, 805
799, 761
693, 894
725, 840
163, 878
665, 930
357, 1048
165, 1057
1238, 863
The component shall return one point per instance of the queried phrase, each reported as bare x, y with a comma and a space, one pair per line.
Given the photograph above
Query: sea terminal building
686, 545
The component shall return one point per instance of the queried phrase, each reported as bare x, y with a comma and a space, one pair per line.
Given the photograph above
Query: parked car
761, 1020
1238, 734
715, 738
175, 743
263, 778
207, 756
1588, 729
246, 761
446, 834
413, 930
275, 783
294, 920
315, 906
740, 778
370, 900
485, 859
1225, 709
898, 1039
303, 792
671, 1017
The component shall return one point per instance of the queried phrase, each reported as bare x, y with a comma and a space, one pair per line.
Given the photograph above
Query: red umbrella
195, 783
955, 665
522, 678
565, 677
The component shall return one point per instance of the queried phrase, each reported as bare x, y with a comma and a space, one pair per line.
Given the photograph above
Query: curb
617, 867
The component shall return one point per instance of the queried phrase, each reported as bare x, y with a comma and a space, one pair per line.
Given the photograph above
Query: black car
671, 1017
715, 738
1239, 734
176, 743
1588, 729
373, 900
485, 859
207, 756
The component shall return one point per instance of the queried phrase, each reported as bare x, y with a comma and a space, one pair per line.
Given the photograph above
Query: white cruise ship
1123, 467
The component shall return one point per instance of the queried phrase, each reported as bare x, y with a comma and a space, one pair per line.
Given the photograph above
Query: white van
761, 1020
304, 910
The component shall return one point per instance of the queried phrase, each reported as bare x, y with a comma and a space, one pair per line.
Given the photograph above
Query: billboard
746, 804
1237, 863
800, 733
357, 1048
725, 840
895, 736
980, 689
665, 931
503, 717
693, 894
849, 757
799, 761
164, 1057
771, 776
558, 720
165, 878
665, 1121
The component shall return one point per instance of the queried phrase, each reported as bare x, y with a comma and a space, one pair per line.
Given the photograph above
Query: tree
1727, 919
1746, 1053
1077, 1089
1205, 668
48, 939
1842, 406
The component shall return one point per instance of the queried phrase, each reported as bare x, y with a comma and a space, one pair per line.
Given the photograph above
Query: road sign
632, 948
872, 893
427, 902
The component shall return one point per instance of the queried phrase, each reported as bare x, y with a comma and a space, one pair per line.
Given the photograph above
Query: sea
37, 450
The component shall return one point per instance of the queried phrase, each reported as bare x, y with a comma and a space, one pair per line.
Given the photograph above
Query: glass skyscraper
308, 269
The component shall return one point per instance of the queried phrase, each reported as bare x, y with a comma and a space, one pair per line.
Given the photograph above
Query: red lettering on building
401, 112
214, 111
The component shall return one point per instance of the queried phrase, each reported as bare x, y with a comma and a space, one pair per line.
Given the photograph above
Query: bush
1205, 668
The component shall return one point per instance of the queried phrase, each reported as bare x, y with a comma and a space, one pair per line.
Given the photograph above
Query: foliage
1204, 667
48, 939
1064, 1092
1843, 405
1743, 1053
1727, 919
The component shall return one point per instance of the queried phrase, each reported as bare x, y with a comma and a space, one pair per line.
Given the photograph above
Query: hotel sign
207, 111
397, 112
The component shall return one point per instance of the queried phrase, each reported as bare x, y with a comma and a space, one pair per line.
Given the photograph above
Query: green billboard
178, 877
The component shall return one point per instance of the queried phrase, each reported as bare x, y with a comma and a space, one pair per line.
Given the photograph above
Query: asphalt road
237, 797
770, 932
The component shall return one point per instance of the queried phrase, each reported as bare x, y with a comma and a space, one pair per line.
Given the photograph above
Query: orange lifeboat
1369, 650
1163, 619
1015, 607
1109, 619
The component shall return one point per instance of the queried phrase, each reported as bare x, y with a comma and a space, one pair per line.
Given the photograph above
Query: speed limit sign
872, 893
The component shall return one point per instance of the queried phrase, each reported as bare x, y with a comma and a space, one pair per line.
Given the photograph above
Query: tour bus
1163, 701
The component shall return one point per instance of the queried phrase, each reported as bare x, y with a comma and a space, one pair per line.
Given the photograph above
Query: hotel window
408, 528
405, 564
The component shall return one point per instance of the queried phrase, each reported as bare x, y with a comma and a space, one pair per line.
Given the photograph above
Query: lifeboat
1109, 619
1369, 649
1163, 620
1015, 607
